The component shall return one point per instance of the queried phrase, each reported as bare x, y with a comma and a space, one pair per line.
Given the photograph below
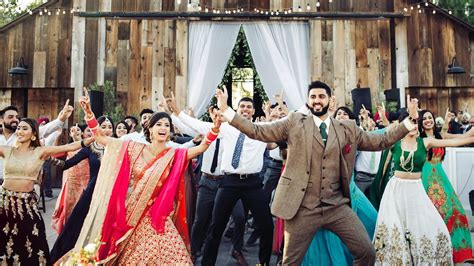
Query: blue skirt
327, 248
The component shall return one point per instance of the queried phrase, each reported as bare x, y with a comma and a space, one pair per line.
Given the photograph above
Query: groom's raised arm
267, 132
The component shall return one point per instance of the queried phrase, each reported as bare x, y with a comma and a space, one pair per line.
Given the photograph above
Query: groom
313, 191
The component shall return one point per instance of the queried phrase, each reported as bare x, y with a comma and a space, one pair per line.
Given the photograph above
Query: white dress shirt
251, 159
275, 154
208, 155
135, 136
368, 161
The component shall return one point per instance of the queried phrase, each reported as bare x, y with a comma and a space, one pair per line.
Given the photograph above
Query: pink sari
157, 194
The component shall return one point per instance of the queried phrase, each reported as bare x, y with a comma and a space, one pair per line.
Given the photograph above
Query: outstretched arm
48, 151
269, 132
455, 142
210, 137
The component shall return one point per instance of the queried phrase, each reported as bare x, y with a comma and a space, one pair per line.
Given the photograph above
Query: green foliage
111, 108
241, 57
10, 10
463, 9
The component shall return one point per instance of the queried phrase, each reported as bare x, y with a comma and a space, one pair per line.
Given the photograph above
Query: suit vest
324, 184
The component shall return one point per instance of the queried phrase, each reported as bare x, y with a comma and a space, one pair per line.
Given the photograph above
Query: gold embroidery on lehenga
35, 230
15, 229
9, 247
13, 209
6, 229
19, 207
392, 249
41, 258
28, 247
29, 211
16, 259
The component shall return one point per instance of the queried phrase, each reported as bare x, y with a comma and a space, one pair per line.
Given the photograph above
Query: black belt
213, 177
242, 176
365, 173
275, 160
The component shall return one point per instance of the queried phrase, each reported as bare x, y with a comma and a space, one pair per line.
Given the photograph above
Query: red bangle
211, 136
93, 125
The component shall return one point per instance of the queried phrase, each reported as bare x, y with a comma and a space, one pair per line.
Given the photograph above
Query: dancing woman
93, 155
75, 181
23, 236
326, 247
441, 192
409, 228
140, 191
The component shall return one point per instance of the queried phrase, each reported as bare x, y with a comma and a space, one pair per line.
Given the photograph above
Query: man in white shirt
242, 161
145, 115
212, 174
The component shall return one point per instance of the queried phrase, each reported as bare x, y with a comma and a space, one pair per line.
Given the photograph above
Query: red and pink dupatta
115, 228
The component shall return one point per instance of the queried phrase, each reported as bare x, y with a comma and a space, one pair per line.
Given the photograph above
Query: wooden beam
77, 53
105, 6
402, 57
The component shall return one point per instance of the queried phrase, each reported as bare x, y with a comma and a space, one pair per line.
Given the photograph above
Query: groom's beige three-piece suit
313, 191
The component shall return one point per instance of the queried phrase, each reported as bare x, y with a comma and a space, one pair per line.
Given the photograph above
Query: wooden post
105, 6
77, 53
181, 87
401, 52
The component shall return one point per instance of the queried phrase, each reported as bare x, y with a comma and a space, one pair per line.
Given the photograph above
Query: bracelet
211, 136
92, 124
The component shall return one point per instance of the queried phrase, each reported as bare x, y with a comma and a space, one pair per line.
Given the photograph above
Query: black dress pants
249, 190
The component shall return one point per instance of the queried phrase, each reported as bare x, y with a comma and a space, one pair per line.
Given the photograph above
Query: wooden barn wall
433, 40
349, 54
438, 99
44, 42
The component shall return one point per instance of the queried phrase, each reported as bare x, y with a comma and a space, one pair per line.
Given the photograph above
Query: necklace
407, 163
97, 149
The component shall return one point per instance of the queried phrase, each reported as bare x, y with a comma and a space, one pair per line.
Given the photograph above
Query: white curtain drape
210, 47
280, 51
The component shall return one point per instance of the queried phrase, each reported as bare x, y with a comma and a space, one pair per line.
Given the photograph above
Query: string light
308, 7
318, 4
299, 9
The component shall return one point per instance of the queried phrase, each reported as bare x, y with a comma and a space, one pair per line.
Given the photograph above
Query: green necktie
324, 134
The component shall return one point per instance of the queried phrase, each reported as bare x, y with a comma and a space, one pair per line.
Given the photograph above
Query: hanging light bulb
405, 9
41, 13
418, 6
434, 11
419, 10
286, 12
49, 13
271, 13
299, 8
466, 12
30, 12
426, 4
290, 10
318, 4
206, 10
277, 12
450, 12
411, 8
64, 12
308, 7
330, 1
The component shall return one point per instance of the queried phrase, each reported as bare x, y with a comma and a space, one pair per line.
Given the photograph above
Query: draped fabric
210, 47
280, 51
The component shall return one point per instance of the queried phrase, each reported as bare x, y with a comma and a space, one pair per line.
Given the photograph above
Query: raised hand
171, 105
66, 112
191, 112
222, 97
412, 105
216, 117
85, 103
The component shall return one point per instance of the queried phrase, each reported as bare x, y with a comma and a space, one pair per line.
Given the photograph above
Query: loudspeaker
361, 96
97, 102
393, 95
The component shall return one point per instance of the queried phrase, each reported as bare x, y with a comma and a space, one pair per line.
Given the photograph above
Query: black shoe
253, 238
240, 258
229, 233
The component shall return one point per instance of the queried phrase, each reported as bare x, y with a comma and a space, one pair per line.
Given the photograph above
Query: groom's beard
320, 113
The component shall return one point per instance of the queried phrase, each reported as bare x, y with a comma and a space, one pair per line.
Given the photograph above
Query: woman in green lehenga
441, 192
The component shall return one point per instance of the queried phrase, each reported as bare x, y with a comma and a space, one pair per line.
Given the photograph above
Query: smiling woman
24, 238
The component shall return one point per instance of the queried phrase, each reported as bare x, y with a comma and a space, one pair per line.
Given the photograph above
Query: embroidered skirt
22, 236
409, 229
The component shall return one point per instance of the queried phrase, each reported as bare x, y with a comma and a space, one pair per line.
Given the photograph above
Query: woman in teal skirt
327, 248
441, 192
